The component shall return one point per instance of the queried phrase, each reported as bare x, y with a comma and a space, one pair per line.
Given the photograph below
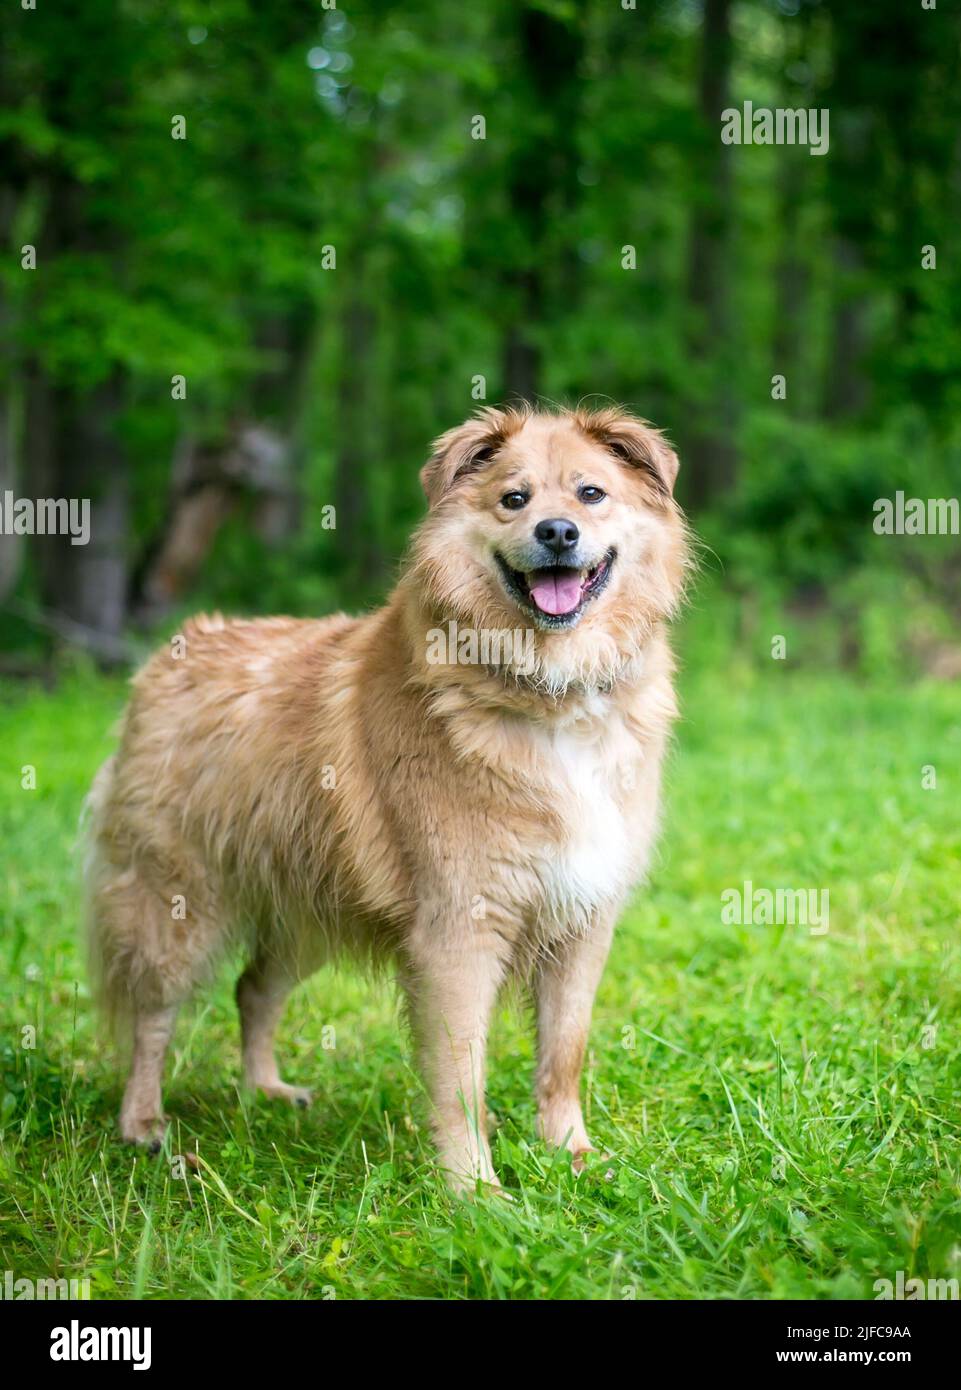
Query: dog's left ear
638, 444
465, 450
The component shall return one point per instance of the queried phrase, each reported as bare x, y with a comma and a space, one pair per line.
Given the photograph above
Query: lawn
780, 1106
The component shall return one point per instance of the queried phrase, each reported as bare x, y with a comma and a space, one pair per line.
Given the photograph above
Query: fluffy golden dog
464, 782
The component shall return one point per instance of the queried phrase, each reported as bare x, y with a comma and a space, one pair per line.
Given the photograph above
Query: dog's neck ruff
514, 679
520, 685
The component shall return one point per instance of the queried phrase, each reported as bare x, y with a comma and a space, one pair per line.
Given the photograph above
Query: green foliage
804, 509
309, 127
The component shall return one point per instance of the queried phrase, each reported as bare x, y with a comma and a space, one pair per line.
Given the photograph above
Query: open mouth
558, 594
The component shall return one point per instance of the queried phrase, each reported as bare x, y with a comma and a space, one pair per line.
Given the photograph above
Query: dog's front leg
452, 983
566, 983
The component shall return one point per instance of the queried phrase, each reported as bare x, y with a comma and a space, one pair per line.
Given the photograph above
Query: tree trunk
710, 462
791, 276
74, 454
845, 389
11, 547
356, 540
541, 186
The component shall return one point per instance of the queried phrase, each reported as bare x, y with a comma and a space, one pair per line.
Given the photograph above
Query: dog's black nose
557, 534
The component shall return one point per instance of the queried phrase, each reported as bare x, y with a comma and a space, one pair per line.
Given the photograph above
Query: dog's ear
466, 449
637, 444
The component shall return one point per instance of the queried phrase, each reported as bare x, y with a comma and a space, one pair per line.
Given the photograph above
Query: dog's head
564, 523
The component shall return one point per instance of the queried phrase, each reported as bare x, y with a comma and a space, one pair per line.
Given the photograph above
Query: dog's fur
318, 788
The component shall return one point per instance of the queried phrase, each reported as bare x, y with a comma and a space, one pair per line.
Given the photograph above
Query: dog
321, 788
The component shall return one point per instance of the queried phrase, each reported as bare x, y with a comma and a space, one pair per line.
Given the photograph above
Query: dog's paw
146, 1131
293, 1095
580, 1159
468, 1176
596, 1165
470, 1187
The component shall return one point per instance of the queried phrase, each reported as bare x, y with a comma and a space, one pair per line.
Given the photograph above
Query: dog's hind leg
145, 962
141, 1114
262, 992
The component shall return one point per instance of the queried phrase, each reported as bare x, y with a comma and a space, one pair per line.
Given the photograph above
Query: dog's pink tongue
555, 592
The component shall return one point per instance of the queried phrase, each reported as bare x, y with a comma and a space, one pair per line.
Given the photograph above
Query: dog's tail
106, 984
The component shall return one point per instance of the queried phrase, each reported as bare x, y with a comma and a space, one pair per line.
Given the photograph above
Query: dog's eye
513, 501
589, 493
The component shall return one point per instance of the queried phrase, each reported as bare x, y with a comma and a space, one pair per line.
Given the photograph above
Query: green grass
780, 1122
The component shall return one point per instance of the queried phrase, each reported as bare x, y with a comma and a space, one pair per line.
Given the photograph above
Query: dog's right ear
466, 449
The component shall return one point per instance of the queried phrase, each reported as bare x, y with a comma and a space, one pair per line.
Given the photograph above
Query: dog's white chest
591, 865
